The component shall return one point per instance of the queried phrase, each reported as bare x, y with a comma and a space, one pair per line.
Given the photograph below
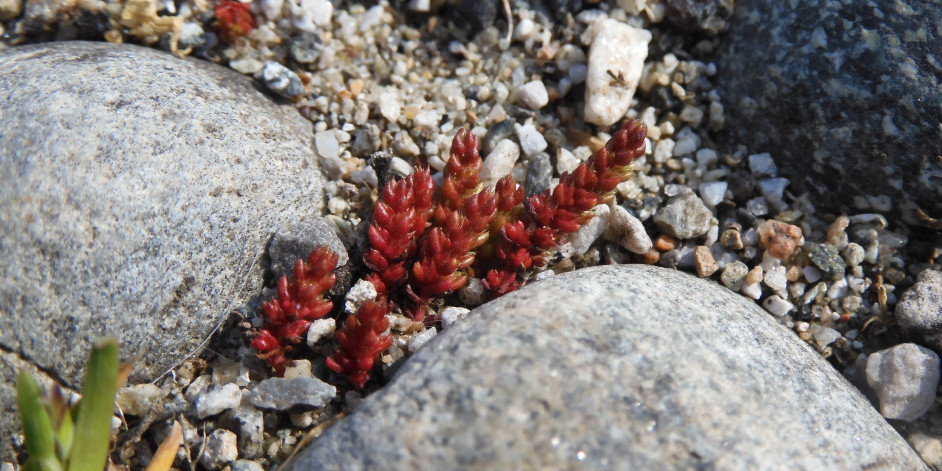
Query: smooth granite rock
844, 94
615, 367
139, 191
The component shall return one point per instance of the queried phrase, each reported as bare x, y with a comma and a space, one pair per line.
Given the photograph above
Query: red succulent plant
425, 245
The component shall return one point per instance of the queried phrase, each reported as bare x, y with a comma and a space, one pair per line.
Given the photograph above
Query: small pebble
713, 193
777, 306
826, 258
531, 141
734, 274
754, 275
281, 80
473, 293
499, 162
905, 378
704, 262
919, 311
780, 239
618, 48
628, 231
360, 293
776, 279
731, 239
823, 335
450, 315
684, 217
812, 274
138, 399
217, 400
420, 339
248, 423
326, 145
283, 393
565, 161
390, 105
581, 240
533, 95
221, 449
929, 448
751, 290
763, 165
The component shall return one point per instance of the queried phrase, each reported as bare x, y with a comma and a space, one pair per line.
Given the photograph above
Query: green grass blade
37, 428
93, 421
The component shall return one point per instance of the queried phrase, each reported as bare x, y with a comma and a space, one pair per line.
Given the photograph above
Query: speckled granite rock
845, 95
617, 367
139, 190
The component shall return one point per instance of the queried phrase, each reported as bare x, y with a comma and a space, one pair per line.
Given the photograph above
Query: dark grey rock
539, 173
845, 95
709, 17
135, 204
615, 367
305, 48
282, 80
284, 394
684, 216
297, 240
498, 132
827, 259
475, 14
919, 311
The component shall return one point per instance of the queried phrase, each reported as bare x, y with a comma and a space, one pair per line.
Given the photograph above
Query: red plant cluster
300, 301
425, 245
361, 340
233, 19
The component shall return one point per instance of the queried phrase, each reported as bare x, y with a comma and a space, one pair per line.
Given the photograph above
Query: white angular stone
824, 336
310, 15
422, 338
450, 315
221, 449
531, 141
777, 306
752, 290
905, 378
320, 329
390, 106
583, 238
361, 292
533, 95
763, 165
217, 400
499, 162
775, 278
326, 145
712, 193
628, 231
565, 161
621, 50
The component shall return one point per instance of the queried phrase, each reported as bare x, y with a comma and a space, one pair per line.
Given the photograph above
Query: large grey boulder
844, 94
138, 191
615, 367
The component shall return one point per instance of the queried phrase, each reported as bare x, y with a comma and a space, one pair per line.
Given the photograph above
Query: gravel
384, 79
